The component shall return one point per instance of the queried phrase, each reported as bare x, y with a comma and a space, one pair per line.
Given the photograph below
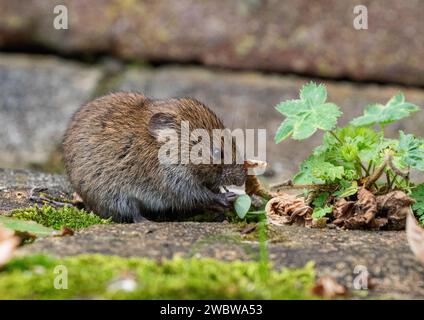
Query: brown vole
111, 157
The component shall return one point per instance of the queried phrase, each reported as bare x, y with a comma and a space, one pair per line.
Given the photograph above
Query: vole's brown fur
111, 157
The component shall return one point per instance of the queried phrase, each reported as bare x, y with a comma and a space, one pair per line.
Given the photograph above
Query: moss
67, 216
89, 276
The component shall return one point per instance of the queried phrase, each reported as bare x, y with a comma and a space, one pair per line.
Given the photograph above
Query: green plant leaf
328, 172
356, 142
242, 205
313, 94
306, 115
284, 130
322, 212
353, 149
291, 107
256, 216
347, 189
316, 169
395, 109
25, 226
418, 195
257, 212
341, 154
410, 152
321, 199
305, 176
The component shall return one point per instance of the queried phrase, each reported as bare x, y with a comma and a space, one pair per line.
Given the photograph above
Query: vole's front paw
224, 200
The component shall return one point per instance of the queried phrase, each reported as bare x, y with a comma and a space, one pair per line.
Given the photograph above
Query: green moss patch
95, 276
67, 216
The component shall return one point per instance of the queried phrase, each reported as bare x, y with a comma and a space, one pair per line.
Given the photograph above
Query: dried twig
289, 185
43, 199
388, 162
375, 175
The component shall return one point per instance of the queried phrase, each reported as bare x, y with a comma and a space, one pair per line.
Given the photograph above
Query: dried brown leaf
250, 164
342, 211
65, 231
287, 209
370, 212
8, 243
395, 206
378, 223
365, 210
367, 204
356, 215
415, 236
328, 287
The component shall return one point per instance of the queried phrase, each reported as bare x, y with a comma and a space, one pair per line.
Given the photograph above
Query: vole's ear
161, 124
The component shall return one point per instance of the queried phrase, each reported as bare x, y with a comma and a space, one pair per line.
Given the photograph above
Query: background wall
239, 57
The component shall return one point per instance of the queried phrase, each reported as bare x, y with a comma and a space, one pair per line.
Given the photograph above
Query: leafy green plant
418, 195
356, 155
